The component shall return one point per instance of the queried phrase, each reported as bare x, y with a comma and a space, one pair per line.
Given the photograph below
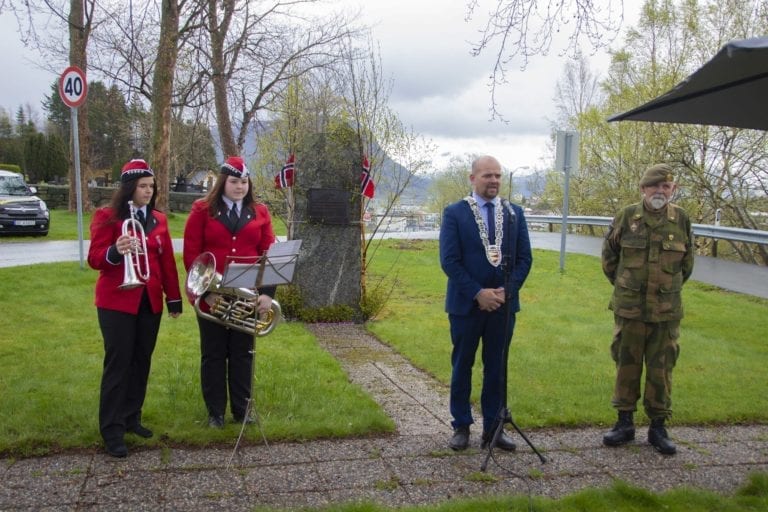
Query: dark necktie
233, 216
140, 218
491, 223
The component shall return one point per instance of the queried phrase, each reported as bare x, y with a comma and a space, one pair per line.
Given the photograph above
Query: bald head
484, 161
486, 177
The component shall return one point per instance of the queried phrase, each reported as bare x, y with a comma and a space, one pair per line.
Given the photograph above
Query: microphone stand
504, 415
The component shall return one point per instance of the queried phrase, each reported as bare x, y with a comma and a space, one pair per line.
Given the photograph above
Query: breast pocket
671, 257
633, 251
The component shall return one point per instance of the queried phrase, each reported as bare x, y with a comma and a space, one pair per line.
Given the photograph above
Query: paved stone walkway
410, 467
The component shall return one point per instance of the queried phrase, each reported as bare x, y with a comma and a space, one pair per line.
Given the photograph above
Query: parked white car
21, 211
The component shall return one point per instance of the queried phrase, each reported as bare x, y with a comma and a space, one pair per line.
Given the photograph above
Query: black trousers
225, 365
129, 341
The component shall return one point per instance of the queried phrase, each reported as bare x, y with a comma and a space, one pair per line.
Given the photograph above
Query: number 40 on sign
73, 87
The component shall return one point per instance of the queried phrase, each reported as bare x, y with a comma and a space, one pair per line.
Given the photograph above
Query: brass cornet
136, 260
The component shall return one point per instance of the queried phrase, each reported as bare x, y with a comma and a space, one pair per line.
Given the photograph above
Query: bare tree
140, 48
396, 154
516, 30
162, 89
80, 25
77, 17
575, 92
256, 49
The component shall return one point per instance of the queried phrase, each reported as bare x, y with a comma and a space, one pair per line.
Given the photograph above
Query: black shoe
504, 442
621, 433
140, 430
116, 447
658, 438
216, 421
460, 439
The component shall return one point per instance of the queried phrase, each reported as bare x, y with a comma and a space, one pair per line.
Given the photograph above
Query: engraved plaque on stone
328, 206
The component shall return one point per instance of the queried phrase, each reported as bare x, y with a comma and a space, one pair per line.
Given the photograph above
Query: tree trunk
219, 75
78, 42
162, 93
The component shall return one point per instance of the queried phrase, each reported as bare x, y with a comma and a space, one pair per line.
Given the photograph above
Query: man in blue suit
483, 240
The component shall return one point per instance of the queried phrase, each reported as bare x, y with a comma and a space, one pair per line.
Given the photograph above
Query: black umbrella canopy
729, 90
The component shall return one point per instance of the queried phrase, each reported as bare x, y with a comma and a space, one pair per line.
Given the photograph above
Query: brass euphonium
136, 260
236, 308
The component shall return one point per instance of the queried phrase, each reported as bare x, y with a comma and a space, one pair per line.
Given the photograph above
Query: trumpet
136, 260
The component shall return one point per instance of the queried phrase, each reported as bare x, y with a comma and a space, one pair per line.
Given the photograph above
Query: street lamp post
512, 175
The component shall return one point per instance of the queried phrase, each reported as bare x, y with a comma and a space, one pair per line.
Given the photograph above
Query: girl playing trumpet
129, 316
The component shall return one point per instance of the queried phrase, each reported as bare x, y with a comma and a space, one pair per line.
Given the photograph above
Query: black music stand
274, 268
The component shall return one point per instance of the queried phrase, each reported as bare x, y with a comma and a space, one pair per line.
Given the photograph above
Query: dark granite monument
327, 220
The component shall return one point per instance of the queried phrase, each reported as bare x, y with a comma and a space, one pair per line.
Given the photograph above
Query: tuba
235, 308
135, 261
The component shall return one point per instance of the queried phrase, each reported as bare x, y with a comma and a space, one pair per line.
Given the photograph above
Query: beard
658, 201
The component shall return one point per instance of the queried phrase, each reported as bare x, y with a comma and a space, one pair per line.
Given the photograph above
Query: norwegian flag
366, 181
284, 178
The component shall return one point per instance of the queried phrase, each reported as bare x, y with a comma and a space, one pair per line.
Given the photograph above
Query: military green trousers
655, 344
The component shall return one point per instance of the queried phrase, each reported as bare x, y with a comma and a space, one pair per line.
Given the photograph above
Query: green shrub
10, 167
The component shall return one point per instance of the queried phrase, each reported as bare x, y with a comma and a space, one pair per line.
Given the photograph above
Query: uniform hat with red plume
135, 169
234, 166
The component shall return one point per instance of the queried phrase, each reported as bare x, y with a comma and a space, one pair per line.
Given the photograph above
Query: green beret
656, 174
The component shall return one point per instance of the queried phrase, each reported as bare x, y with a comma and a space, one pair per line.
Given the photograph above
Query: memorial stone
327, 220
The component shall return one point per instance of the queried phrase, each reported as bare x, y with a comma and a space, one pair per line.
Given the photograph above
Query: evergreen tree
35, 157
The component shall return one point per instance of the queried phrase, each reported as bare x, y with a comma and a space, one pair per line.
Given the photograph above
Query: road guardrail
752, 236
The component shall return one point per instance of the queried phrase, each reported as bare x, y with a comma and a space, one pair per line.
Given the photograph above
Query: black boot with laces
658, 438
623, 432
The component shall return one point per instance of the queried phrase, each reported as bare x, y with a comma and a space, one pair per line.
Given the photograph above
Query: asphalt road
729, 275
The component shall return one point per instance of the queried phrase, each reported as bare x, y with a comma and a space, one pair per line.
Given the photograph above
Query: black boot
622, 432
657, 436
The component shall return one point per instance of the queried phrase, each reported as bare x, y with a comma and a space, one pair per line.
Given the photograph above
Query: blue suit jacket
463, 259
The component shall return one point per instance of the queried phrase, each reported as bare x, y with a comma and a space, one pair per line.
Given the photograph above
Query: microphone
509, 208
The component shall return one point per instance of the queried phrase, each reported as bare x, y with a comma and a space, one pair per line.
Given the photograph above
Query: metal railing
751, 236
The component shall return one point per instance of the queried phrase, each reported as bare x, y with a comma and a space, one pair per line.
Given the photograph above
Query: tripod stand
250, 410
274, 268
503, 415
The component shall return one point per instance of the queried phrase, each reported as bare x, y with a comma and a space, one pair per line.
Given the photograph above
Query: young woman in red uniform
130, 318
229, 224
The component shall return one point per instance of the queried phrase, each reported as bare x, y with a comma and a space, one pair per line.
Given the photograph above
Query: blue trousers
466, 333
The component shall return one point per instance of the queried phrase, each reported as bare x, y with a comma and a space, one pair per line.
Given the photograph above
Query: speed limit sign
73, 87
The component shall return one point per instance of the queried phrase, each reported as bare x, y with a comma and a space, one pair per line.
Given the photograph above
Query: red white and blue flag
366, 181
284, 178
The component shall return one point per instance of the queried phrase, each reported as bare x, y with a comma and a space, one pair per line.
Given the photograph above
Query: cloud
443, 92
25, 83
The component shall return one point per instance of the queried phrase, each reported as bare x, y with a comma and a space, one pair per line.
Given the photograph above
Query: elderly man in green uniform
647, 256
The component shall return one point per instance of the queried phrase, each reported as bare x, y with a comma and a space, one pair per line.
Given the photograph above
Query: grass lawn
560, 371
51, 354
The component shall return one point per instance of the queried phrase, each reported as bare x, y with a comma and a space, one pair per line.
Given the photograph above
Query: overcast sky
439, 89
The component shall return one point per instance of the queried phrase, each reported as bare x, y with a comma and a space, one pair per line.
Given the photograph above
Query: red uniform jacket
251, 237
163, 276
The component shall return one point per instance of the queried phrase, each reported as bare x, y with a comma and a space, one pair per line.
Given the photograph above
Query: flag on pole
284, 178
366, 181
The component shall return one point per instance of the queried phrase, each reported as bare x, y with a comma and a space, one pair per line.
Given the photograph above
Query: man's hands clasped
490, 299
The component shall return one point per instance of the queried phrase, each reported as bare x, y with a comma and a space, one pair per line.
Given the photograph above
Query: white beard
658, 202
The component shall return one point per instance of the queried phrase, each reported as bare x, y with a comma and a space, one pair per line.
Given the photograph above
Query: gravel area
410, 467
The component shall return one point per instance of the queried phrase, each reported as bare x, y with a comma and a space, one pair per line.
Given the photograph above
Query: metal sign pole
566, 159
73, 89
78, 190
566, 189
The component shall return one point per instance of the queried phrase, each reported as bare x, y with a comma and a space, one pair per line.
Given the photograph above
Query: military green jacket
647, 258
